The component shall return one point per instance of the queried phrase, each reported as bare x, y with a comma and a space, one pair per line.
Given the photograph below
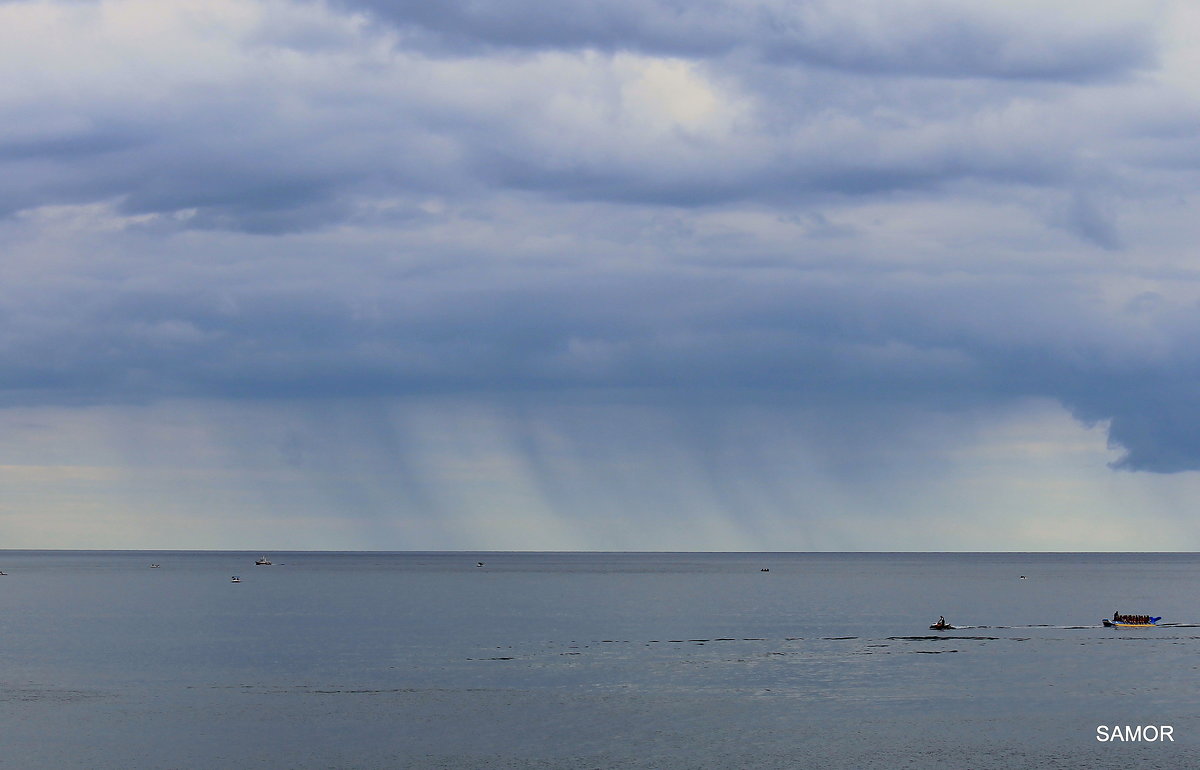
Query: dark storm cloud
816, 203
1153, 422
783, 337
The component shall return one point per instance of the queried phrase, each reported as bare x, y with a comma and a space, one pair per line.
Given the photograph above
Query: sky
720, 275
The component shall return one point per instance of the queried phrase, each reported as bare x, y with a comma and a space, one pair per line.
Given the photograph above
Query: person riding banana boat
1119, 619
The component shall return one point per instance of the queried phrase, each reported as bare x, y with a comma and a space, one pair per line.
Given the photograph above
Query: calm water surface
416, 660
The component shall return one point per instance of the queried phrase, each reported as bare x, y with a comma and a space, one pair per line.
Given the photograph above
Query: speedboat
235, 579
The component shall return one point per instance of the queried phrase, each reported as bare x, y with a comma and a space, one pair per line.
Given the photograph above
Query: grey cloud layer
361, 326
800, 202
277, 128
926, 38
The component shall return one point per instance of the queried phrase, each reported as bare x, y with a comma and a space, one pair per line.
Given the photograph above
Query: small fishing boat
262, 562
235, 579
1149, 622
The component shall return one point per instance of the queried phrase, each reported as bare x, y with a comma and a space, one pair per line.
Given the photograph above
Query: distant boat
263, 562
1149, 622
235, 579
2, 572
155, 566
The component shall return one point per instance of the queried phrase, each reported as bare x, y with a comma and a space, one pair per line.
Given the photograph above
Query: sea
596, 660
